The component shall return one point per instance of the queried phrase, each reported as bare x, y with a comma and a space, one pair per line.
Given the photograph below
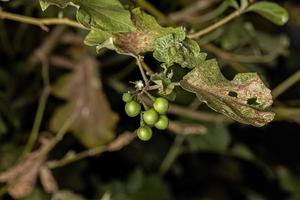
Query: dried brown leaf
21, 178
96, 121
47, 179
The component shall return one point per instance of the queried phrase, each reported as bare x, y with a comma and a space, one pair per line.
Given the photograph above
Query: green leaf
245, 99
61, 3
96, 37
176, 48
166, 86
102, 14
271, 11
141, 40
95, 120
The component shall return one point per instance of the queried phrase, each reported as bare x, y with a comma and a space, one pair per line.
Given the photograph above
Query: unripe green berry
132, 108
150, 116
127, 97
163, 122
144, 133
161, 105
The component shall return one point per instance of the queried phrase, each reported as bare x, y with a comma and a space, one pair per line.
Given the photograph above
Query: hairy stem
139, 63
39, 21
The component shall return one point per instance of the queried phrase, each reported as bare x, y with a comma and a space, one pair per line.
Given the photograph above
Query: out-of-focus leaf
137, 187
47, 179
66, 195
95, 121
288, 180
242, 151
102, 14
216, 139
176, 48
245, 99
236, 34
270, 10
272, 44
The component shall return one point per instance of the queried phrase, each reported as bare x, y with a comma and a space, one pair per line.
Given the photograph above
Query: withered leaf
95, 121
245, 99
47, 179
21, 178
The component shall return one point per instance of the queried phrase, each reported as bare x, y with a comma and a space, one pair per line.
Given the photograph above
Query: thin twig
197, 115
139, 63
171, 154
60, 134
241, 58
41, 22
41, 107
121, 141
218, 24
282, 87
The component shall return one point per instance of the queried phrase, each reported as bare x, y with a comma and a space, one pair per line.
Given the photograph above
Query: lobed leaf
245, 99
176, 48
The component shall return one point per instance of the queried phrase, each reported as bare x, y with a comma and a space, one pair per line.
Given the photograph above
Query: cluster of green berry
155, 116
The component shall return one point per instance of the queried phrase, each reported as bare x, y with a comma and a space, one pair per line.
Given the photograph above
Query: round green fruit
163, 122
150, 116
144, 133
161, 105
127, 97
132, 108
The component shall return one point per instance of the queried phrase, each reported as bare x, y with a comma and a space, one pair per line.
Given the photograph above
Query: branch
121, 141
42, 23
218, 24
282, 87
242, 58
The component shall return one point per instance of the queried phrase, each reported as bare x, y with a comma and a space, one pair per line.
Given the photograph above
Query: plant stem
197, 115
39, 21
73, 158
218, 24
139, 63
282, 87
41, 107
60, 134
172, 154
37, 122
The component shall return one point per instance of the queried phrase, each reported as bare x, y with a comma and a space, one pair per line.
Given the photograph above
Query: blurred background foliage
225, 160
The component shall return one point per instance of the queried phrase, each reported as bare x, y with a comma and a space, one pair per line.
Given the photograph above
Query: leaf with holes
95, 120
245, 99
272, 11
106, 15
